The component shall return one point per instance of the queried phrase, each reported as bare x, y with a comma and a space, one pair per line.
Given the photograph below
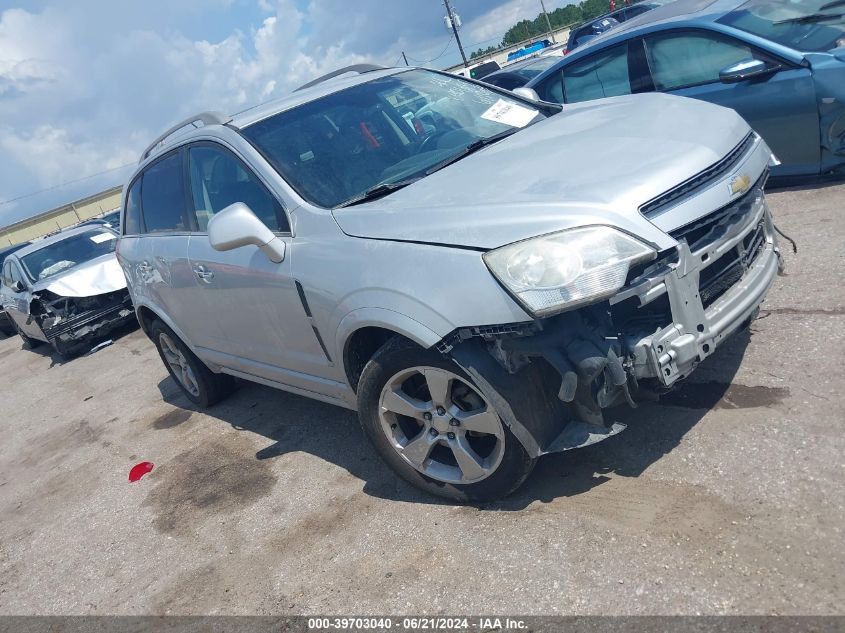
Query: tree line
559, 18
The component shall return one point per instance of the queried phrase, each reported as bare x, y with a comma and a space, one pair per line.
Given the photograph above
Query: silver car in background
66, 289
414, 245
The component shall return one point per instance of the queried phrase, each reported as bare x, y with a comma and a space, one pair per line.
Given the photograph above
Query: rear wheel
199, 384
435, 428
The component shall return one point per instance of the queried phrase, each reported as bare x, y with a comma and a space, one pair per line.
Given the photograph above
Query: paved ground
727, 499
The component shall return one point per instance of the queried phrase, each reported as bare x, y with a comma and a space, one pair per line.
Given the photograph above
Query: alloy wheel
441, 425
179, 364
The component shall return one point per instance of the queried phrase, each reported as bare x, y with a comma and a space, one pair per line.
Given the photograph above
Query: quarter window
218, 179
163, 196
681, 60
132, 219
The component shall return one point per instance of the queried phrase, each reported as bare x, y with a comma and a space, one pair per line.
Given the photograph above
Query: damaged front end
69, 322
552, 379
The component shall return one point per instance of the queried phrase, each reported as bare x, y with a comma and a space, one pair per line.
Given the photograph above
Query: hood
96, 277
595, 162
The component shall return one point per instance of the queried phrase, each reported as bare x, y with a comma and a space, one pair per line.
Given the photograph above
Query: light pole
453, 20
548, 23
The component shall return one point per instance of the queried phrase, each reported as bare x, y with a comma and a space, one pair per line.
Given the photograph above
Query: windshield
781, 21
392, 129
65, 254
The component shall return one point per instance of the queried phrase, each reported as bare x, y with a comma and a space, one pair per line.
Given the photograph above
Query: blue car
779, 63
530, 49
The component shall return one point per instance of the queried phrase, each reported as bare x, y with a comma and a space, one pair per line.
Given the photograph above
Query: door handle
203, 273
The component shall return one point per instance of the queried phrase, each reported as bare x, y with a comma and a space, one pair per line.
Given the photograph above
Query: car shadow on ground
298, 424
93, 346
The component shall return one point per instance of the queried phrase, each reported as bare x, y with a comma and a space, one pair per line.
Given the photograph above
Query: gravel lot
728, 498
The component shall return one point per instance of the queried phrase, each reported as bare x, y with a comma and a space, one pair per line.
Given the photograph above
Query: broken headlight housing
560, 271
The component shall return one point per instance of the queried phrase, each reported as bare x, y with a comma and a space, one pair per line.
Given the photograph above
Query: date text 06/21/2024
439, 623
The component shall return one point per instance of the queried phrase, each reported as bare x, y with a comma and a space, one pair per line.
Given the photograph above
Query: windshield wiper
811, 17
470, 149
379, 191
830, 5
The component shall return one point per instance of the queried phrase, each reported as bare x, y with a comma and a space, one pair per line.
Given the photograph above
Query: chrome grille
716, 171
713, 227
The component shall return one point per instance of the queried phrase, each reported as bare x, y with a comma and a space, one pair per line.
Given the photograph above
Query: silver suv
479, 275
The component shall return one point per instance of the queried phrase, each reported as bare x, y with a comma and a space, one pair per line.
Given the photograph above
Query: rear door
168, 279
781, 108
262, 327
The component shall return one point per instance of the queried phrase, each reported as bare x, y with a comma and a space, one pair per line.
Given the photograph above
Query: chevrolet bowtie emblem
740, 184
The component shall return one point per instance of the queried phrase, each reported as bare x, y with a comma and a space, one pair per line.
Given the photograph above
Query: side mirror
17, 286
237, 226
527, 93
746, 69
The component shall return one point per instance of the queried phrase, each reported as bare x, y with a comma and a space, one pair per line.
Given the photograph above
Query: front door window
680, 60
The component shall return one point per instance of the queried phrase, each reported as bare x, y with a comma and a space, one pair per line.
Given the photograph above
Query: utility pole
548, 22
450, 20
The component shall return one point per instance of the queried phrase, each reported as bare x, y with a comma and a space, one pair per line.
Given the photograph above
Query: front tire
28, 343
431, 424
63, 350
6, 328
199, 384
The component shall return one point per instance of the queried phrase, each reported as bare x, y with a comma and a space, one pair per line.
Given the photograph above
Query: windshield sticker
99, 238
509, 113
465, 90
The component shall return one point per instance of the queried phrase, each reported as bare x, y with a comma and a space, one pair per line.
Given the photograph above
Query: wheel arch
364, 331
147, 314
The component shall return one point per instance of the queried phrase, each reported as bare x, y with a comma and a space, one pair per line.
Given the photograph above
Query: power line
433, 59
64, 184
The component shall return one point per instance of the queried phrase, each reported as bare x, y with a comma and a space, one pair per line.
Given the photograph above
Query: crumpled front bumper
90, 323
697, 328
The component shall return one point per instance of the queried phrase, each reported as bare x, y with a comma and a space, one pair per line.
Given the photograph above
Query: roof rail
206, 118
355, 68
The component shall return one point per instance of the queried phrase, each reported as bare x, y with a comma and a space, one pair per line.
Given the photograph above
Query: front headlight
563, 270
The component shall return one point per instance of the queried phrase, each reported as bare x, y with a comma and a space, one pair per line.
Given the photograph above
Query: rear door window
219, 179
682, 60
604, 74
163, 196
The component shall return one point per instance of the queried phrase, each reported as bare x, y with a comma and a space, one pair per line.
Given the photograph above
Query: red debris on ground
139, 470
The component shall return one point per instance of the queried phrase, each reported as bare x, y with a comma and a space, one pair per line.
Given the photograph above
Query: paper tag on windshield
511, 114
99, 238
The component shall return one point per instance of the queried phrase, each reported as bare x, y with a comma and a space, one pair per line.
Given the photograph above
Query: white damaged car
66, 289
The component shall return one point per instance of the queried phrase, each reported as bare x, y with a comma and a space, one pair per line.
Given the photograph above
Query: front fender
387, 319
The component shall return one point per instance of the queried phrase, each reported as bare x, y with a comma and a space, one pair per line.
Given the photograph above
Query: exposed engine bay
552, 379
70, 321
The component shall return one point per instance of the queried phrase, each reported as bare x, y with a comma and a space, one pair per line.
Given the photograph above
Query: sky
85, 85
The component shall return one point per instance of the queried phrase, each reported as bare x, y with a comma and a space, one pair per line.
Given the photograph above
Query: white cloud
51, 153
75, 100
85, 85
